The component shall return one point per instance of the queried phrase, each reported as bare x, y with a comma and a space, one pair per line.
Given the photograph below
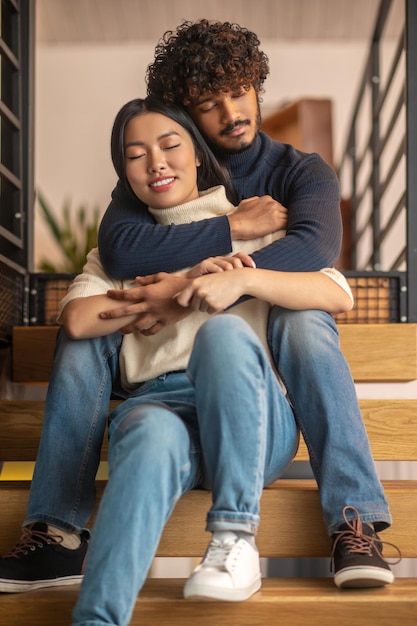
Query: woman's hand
216, 264
213, 292
152, 302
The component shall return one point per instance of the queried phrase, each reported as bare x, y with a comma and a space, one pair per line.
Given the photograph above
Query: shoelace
217, 553
356, 542
32, 539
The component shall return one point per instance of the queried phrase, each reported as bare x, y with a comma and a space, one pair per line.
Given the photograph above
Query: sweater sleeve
131, 243
92, 281
314, 231
334, 274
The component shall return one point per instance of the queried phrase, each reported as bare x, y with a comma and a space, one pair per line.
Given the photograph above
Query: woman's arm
80, 317
215, 292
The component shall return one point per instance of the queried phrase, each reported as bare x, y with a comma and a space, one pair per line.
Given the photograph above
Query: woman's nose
156, 162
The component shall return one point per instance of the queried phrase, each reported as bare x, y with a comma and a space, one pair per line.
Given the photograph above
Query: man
216, 71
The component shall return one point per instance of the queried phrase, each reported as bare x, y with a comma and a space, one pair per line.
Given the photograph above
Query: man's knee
301, 331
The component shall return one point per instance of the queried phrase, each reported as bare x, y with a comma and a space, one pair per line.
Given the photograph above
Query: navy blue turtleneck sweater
132, 244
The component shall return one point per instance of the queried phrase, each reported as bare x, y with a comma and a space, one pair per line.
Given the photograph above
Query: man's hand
257, 217
153, 302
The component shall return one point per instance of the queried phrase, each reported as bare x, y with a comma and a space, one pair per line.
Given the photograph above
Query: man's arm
314, 230
132, 244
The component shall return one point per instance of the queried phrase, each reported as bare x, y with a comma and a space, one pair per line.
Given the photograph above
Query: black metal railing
17, 35
378, 168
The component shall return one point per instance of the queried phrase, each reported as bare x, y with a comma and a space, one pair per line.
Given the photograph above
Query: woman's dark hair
206, 57
210, 172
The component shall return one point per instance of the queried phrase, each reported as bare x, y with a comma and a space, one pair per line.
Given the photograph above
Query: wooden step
286, 601
291, 517
291, 520
393, 421
382, 352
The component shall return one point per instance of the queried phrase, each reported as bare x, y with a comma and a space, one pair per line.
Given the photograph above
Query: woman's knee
152, 444
154, 428
221, 331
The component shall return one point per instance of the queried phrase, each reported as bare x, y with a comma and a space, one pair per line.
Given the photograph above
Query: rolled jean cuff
56, 522
243, 524
380, 521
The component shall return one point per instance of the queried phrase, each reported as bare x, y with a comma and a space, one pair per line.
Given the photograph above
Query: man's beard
222, 151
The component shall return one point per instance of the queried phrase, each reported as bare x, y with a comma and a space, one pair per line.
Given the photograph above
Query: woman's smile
162, 184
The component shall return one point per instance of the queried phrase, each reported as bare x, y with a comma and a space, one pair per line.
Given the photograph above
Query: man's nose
229, 111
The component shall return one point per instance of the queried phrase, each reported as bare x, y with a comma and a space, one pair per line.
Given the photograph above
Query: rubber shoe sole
208, 592
363, 577
19, 586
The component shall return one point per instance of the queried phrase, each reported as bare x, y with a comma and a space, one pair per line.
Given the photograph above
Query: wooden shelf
306, 124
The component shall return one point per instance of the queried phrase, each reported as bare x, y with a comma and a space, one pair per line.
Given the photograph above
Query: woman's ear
198, 156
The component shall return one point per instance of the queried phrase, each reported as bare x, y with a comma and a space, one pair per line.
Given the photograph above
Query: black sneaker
357, 555
38, 560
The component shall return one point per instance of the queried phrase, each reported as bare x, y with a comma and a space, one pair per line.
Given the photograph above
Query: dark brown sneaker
38, 560
357, 555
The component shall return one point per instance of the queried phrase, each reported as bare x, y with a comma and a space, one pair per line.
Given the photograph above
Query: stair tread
297, 601
375, 352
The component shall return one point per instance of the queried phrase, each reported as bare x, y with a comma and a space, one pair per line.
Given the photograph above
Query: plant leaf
75, 237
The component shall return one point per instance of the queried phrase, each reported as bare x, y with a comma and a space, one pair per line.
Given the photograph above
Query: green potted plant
75, 232
75, 235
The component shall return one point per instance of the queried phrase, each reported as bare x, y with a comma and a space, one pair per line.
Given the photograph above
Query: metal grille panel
12, 285
378, 298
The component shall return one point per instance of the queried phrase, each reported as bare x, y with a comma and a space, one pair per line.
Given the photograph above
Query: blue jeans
225, 424
305, 349
83, 375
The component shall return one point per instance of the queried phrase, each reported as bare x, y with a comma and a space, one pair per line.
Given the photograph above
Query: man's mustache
230, 127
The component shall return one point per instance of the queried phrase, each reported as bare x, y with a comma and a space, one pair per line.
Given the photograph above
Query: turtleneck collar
241, 163
210, 203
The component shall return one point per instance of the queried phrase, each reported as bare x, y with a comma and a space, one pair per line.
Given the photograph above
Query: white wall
79, 90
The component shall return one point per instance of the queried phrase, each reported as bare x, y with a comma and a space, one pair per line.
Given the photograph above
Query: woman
205, 406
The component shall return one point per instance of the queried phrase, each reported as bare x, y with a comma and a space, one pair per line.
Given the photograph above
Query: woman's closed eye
132, 157
177, 145
134, 152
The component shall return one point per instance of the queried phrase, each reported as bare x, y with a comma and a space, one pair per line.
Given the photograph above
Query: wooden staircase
291, 523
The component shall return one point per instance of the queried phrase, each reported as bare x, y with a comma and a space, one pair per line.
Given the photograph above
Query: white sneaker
229, 571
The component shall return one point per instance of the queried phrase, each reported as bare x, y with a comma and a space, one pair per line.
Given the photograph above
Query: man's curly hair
206, 57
